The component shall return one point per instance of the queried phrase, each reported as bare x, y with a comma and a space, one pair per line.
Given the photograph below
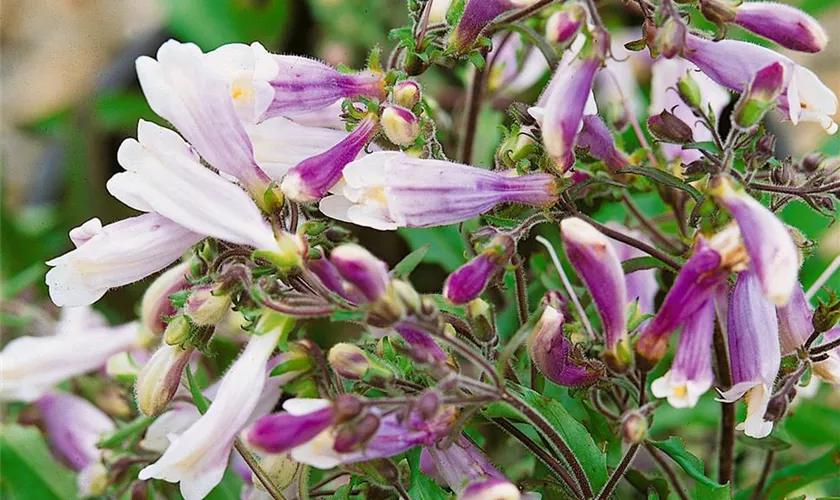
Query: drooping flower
754, 352
30, 366
597, 263
733, 63
691, 373
469, 281
115, 255
424, 349
198, 457
476, 16
773, 254
469, 473
554, 354
74, 427
387, 190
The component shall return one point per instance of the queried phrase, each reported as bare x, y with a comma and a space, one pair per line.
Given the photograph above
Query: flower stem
618, 473
471, 121
254, 465
726, 459
765, 472
666, 468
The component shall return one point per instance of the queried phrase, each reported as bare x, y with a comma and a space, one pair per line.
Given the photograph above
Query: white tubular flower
30, 366
115, 255
248, 69
197, 459
164, 175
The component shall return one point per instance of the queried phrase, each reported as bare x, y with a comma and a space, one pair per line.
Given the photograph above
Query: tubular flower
596, 261
469, 281
691, 373
598, 140
469, 473
516, 66
754, 352
555, 355
642, 286
773, 254
387, 190
115, 255
362, 269
30, 366
476, 16
732, 64
197, 458
74, 427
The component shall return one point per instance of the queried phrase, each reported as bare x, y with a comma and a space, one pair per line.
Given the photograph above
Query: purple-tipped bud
667, 127
773, 254
563, 26
783, 24
351, 362
469, 281
760, 97
708, 267
160, 378
596, 261
634, 427
156, 303
407, 93
423, 347
477, 15
555, 356
361, 269
597, 138
207, 304
302, 421
309, 180
754, 352
330, 278
670, 38
718, 11
691, 373
568, 94
470, 474
400, 125
354, 435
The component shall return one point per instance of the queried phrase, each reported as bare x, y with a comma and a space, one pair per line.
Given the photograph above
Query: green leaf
777, 441
642, 263
692, 465
477, 59
664, 177
410, 262
130, 429
198, 398
655, 487
228, 489
798, 475
708, 146
29, 471
706, 492
592, 459
446, 246
422, 486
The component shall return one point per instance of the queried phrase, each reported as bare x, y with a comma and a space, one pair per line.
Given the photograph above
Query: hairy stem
472, 110
254, 465
668, 470
726, 460
618, 473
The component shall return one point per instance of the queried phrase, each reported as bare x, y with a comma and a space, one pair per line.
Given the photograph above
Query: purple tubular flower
754, 352
595, 136
794, 321
74, 426
691, 373
470, 474
476, 16
570, 89
554, 354
387, 190
469, 281
362, 269
773, 254
596, 261
330, 278
641, 285
424, 348
303, 85
302, 421
783, 24
309, 180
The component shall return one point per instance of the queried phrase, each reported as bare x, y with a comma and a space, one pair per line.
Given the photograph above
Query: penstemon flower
554, 354
469, 281
387, 190
476, 16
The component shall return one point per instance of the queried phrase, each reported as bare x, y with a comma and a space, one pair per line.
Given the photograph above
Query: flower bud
353, 436
670, 38
296, 361
813, 162
160, 378
634, 427
408, 93
156, 304
783, 24
280, 468
689, 91
469, 281
346, 407
826, 316
206, 305
178, 331
760, 97
352, 363
401, 126
480, 316
289, 252
555, 356
718, 11
428, 404
476, 16
563, 26
666, 127
362, 269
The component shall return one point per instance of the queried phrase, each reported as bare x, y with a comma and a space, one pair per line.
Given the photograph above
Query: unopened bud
407, 93
760, 96
346, 407
826, 315
563, 26
401, 126
178, 331
293, 362
812, 162
689, 91
406, 294
289, 252
480, 316
206, 305
666, 127
428, 404
361, 269
354, 435
469, 281
160, 378
554, 355
718, 11
634, 427
156, 304
670, 39
273, 199
351, 362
